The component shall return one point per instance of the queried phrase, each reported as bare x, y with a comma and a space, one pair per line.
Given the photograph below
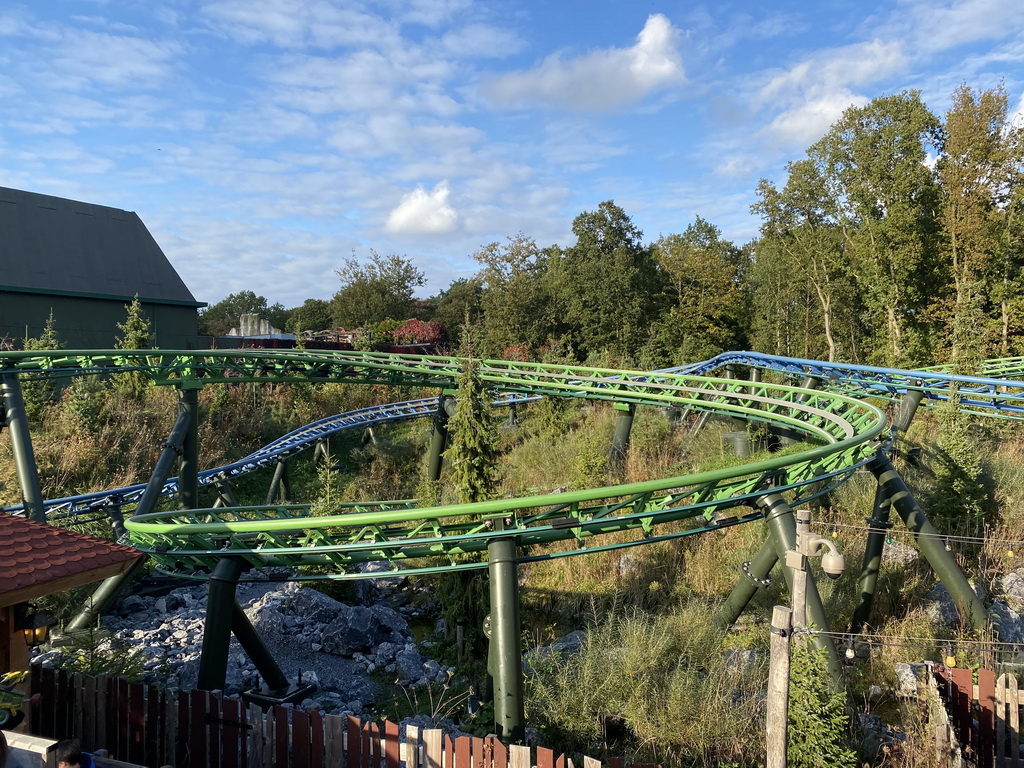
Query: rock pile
334, 645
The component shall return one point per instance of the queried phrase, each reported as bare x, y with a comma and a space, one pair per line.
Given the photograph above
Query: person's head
69, 753
3, 750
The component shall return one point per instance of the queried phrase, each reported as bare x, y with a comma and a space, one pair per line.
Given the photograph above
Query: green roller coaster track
842, 432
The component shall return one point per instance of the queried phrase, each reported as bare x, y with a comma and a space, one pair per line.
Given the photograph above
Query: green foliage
95, 652
83, 403
312, 315
218, 319
136, 330
378, 290
818, 722
461, 300
136, 333
960, 488
703, 291
606, 285
667, 680
515, 301
472, 454
591, 467
39, 393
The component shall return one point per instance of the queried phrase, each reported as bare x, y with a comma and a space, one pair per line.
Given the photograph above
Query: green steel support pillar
929, 542
439, 441
103, 597
188, 466
789, 436
809, 382
620, 440
109, 589
509, 712
117, 522
739, 442
755, 380
225, 495
21, 444
257, 650
753, 576
908, 407
220, 608
782, 525
279, 485
878, 525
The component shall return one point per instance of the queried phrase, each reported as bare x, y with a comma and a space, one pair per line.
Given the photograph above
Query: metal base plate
293, 694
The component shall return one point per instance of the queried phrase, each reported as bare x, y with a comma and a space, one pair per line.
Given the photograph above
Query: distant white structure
254, 325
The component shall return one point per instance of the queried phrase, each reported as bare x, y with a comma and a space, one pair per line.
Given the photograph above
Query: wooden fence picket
434, 747
169, 739
281, 736
353, 731
413, 754
392, 745
499, 753
181, 746
1014, 696
519, 757
300, 738
334, 741
144, 725
269, 738
986, 716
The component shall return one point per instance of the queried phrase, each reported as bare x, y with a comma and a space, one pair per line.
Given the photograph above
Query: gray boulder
360, 629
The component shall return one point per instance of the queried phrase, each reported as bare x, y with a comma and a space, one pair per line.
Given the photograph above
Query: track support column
220, 607
908, 408
257, 650
279, 485
620, 440
928, 541
786, 435
104, 596
782, 525
867, 582
188, 465
507, 657
753, 576
21, 444
439, 440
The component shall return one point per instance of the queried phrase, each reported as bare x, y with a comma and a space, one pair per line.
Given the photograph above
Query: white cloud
813, 93
365, 81
601, 80
422, 212
940, 26
806, 123
291, 25
1017, 117
481, 41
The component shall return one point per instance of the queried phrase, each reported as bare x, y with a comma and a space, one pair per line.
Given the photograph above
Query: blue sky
264, 141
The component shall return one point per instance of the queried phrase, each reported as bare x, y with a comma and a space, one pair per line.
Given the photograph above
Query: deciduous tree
380, 289
874, 164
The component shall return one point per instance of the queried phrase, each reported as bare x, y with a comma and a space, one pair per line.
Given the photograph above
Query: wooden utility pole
778, 687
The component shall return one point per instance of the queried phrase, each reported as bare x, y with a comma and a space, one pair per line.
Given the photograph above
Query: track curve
847, 431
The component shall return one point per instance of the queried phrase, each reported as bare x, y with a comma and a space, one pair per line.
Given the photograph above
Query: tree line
896, 240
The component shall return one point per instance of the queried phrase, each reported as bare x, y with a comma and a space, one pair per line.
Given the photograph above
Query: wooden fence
984, 716
143, 725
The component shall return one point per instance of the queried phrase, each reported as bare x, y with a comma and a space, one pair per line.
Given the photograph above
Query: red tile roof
38, 559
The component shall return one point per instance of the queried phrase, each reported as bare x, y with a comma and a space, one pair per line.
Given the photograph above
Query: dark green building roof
62, 247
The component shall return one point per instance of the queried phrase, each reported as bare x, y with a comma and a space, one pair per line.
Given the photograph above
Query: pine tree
818, 721
38, 393
136, 333
472, 470
473, 454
